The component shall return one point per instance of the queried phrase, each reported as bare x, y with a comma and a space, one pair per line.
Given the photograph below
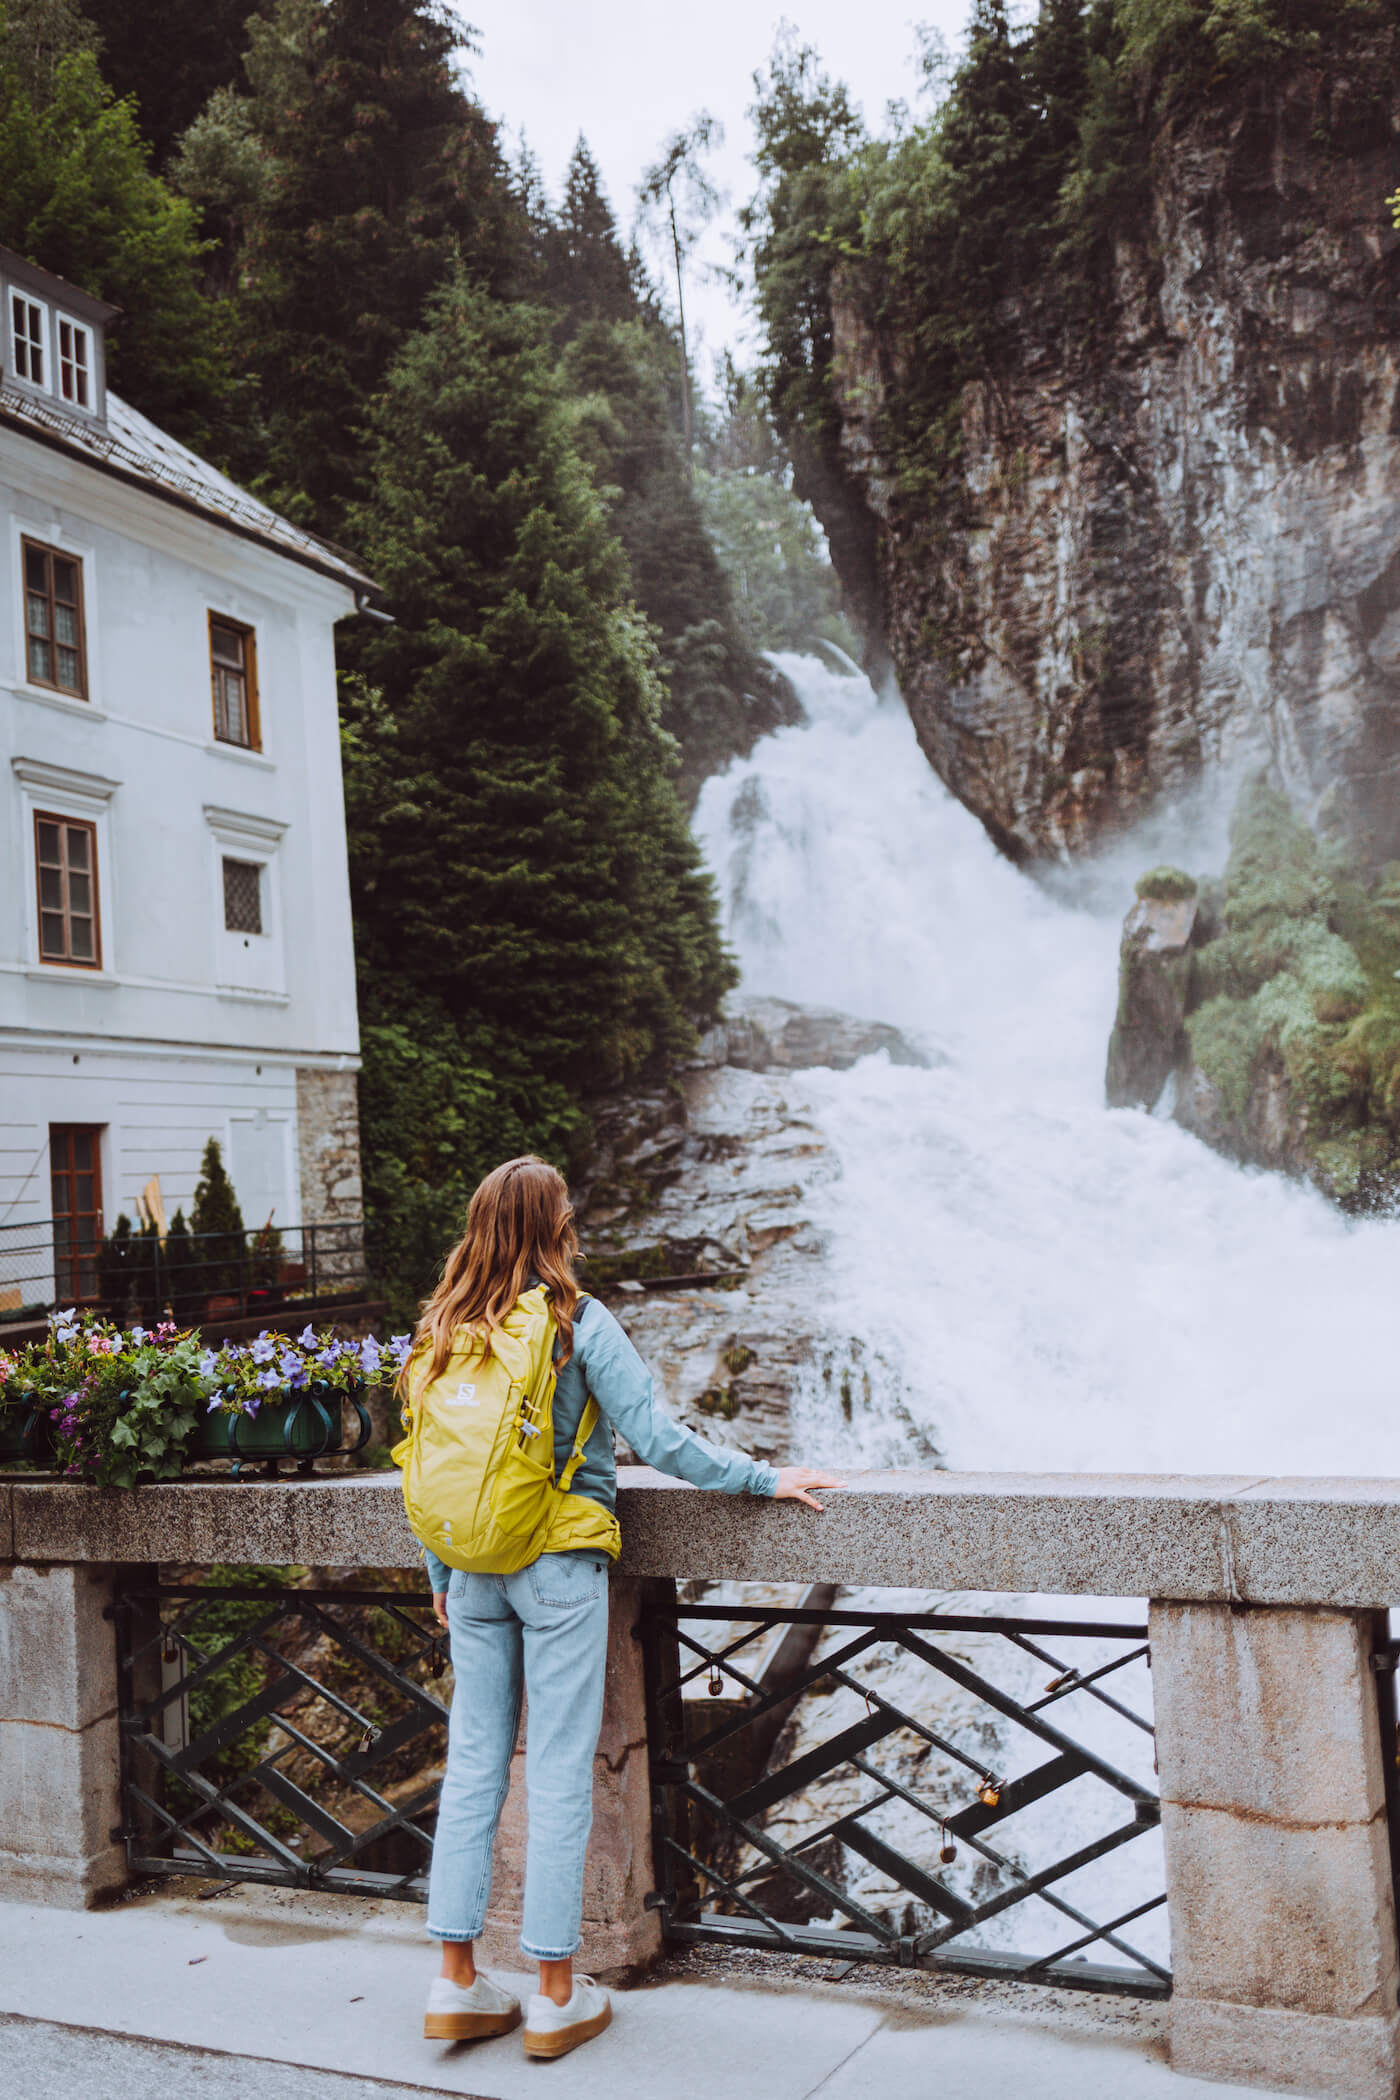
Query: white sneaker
468, 2013
552, 2030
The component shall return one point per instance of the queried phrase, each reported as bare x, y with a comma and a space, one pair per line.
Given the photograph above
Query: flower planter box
304, 1426
24, 1432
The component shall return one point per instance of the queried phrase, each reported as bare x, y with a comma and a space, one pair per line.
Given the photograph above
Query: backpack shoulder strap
587, 1423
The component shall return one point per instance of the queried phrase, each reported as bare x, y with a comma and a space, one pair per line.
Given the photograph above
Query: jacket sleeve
622, 1386
439, 1574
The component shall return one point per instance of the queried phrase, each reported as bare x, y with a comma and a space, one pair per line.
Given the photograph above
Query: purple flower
307, 1337
250, 1407
207, 1362
270, 1380
138, 1334
217, 1401
263, 1349
369, 1354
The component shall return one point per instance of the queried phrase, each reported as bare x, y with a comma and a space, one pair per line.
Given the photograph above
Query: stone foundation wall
328, 1157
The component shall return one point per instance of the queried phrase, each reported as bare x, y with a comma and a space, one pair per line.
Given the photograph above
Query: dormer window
28, 335
75, 362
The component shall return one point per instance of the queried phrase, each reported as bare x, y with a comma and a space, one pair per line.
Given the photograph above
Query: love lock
716, 1684
989, 1793
370, 1736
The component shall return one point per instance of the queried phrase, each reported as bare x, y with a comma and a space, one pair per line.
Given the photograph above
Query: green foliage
131, 1410
169, 57
1166, 885
719, 695
382, 173
786, 595
217, 1225
35, 35
1300, 982
215, 1204
77, 196
529, 905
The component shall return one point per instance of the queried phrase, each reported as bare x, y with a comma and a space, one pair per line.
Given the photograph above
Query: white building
176, 957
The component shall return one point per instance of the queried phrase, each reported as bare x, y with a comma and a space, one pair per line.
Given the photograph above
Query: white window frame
248, 965
51, 533
14, 292
81, 332
60, 791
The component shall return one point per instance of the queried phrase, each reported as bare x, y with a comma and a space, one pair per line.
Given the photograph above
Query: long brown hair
520, 1225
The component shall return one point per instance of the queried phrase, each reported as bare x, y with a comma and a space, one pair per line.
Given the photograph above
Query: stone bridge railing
1267, 1602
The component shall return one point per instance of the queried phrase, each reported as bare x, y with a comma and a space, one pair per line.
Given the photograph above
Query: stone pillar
619, 1932
1279, 1881
59, 1750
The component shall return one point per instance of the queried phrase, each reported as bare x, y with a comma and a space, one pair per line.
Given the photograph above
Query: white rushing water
1055, 1286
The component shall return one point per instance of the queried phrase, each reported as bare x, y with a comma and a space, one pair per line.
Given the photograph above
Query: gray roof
130, 446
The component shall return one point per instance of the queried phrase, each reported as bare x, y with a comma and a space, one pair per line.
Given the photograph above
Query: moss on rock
1166, 885
1293, 1011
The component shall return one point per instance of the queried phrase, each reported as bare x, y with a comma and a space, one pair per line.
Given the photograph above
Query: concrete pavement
266, 1995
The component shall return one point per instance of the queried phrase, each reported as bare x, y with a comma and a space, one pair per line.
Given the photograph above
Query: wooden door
75, 1168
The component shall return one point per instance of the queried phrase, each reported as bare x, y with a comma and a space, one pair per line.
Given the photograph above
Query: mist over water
1050, 1284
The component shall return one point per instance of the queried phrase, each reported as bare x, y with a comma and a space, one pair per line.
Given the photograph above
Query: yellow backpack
478, 1459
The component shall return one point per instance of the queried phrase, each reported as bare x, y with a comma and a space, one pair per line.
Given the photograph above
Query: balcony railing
200, 1278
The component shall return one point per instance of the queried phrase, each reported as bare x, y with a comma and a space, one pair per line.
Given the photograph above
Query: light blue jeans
543, 1631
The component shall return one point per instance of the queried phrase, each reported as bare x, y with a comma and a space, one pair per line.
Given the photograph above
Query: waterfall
1056, 1286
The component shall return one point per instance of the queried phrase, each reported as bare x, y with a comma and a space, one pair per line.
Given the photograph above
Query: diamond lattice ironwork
282, 1735
944, 1790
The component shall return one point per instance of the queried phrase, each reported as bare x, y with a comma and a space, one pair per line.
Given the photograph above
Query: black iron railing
282, 1735
916, 1807
196, 1278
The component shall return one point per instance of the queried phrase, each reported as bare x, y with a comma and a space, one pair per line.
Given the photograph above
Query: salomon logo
465, 1396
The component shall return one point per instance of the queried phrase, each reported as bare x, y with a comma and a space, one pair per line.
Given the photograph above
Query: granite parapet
1185, 1537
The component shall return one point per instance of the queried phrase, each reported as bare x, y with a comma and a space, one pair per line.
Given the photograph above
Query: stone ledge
1262, 1541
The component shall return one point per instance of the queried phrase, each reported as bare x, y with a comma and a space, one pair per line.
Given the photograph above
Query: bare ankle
557, 1981
459, 1963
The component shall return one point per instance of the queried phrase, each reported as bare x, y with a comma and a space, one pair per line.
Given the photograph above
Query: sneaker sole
563, 2039
469, 2027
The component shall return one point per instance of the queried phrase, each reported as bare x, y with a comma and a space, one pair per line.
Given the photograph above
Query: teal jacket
605, 1364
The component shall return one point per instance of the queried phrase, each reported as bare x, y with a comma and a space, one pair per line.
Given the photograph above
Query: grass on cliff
1301, 980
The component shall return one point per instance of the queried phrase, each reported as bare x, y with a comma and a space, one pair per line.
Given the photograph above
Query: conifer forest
346, 285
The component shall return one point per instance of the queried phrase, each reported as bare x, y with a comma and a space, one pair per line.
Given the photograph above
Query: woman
544, 1628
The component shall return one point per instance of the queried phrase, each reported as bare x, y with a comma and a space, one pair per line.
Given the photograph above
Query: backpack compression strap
588, 1421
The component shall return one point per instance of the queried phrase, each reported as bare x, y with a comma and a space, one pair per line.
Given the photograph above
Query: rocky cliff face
1179, 550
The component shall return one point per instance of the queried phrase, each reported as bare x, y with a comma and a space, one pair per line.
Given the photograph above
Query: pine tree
170, 57
985, 143
181, 1275
382, 172
77, 196
529, 905
1058, 70
586, 275
216, 1225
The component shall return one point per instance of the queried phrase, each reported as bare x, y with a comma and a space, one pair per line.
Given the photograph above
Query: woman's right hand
794, 1481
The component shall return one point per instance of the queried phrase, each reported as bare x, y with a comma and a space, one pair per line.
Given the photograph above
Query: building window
27, 331
242, 896
75, 1180
53, 620
74, 362
233, 665
65, 852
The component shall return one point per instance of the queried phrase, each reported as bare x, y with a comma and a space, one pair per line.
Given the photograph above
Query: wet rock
1154, 985
774, 1035
716, 1182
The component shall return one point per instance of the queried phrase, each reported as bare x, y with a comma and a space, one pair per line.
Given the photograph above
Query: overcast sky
627, 73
